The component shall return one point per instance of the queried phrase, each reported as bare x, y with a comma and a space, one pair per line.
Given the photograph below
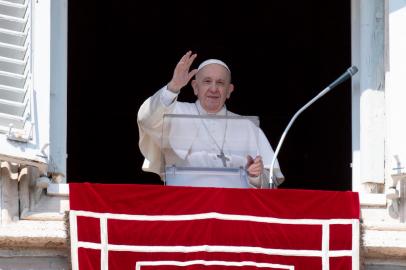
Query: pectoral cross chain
223, 158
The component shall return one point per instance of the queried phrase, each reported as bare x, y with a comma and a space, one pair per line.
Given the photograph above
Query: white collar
202, 111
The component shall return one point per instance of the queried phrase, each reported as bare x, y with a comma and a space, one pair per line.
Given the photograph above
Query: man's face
212, 87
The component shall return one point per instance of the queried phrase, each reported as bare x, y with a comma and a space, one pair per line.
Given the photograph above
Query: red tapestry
145, 227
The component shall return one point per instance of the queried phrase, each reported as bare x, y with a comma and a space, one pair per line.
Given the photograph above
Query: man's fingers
191, 74
254, 166
258, 159
254, 171
185, 62
250, 161
190, 59
181, 74
185, 56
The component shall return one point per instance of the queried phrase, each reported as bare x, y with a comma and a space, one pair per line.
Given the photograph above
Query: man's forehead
214, 72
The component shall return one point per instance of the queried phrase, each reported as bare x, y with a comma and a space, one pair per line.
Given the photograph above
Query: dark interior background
281, 53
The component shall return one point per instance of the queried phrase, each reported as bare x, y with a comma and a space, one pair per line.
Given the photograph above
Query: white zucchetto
213, 61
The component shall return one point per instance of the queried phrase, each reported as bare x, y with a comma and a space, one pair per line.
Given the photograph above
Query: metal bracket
397, 193
20, 135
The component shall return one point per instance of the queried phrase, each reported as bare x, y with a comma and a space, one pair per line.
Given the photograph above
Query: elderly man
212, 86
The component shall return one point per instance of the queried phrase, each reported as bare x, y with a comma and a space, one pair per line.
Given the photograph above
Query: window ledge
26, 233
372, 199
58, 189
384, 243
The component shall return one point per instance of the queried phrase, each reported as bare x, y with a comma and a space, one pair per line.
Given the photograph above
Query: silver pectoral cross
223, 158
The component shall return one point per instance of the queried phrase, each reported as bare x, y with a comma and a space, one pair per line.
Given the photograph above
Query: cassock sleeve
267, 153
150, 121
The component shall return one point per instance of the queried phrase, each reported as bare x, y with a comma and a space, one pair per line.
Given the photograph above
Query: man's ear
230, 90
194, 86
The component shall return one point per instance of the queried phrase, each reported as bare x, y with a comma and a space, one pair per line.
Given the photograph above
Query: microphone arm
273, 182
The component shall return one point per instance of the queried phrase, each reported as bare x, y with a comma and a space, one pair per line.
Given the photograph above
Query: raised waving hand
181, 74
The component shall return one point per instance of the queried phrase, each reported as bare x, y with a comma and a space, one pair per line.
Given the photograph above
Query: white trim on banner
105, 247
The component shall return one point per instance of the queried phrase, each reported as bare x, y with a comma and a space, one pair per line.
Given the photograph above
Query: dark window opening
281, 55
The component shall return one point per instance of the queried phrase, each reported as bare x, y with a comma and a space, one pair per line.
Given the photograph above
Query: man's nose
213, 87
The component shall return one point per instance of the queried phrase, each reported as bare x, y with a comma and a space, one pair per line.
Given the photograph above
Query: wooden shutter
33, 72
15, 70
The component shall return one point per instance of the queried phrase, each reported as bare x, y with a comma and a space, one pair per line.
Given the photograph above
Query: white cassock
196, 142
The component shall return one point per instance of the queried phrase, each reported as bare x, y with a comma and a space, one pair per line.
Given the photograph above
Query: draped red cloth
148, 227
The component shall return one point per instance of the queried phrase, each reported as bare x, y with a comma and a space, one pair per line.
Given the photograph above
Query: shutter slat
12, 107
16, 1
12, 51
13, 80
13, 24
6, 120
12, 66
12, 9
12, 93
12, 37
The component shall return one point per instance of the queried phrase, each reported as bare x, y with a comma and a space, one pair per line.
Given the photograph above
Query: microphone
346, 75
273, 182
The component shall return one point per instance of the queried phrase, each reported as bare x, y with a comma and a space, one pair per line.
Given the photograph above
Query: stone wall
33, 232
